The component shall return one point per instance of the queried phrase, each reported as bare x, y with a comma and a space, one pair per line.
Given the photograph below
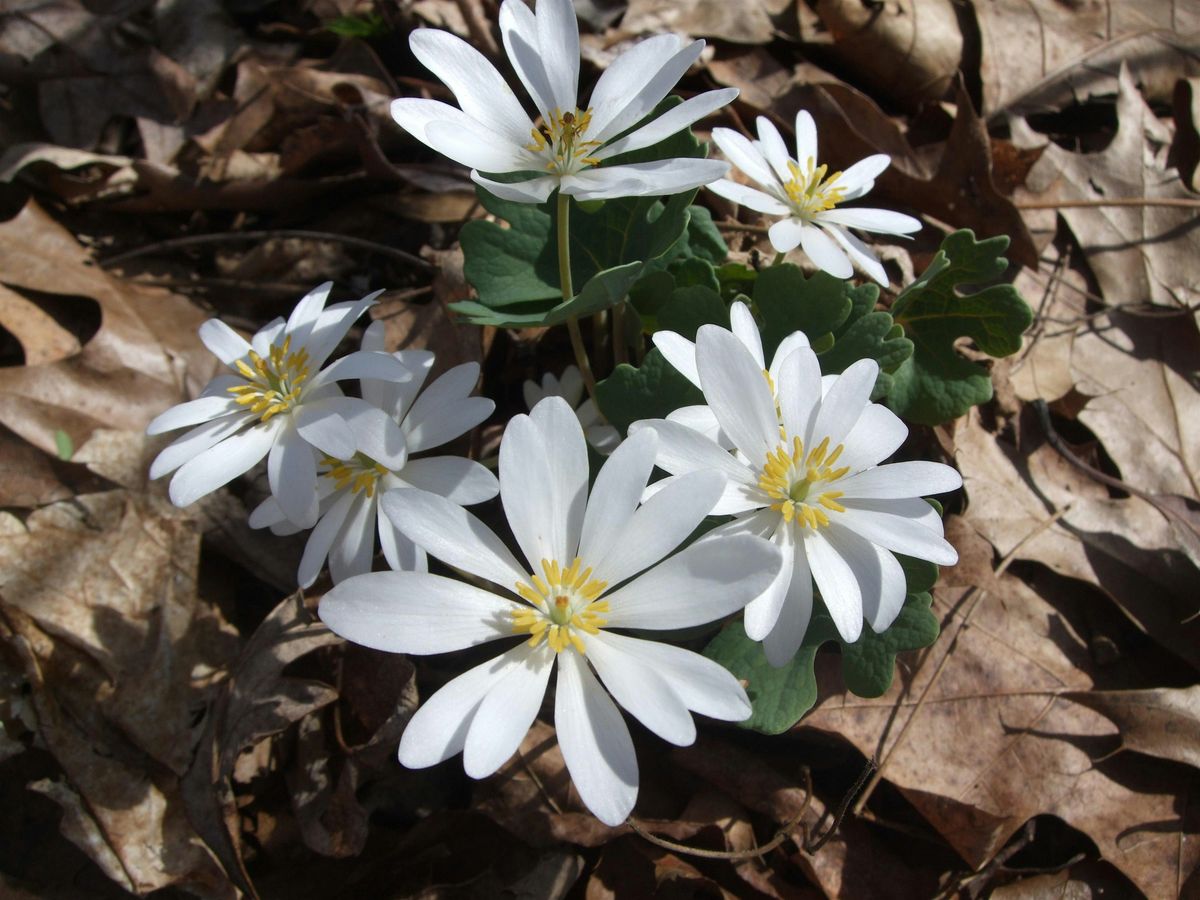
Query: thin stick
1180, 202
568, 292
235, 236
620, 348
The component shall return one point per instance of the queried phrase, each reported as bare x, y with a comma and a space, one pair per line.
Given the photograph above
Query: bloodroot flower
565, 149
349, 490
806, 475
276, 402
599, 434
808, 196
593, 565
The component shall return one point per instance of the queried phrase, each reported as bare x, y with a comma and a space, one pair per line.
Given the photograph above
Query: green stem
568, 291
779, 257
620, 348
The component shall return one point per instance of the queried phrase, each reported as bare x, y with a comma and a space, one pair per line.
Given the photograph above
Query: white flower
277, 402
681, 353
599, 434
493, 133
801, 191
806, 476
349, 489
585, 555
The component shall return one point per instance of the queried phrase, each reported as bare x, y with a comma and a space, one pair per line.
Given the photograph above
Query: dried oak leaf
144, 357
95, 595
1030, 503
748, 22
994, 742
1163, 722
1139, 254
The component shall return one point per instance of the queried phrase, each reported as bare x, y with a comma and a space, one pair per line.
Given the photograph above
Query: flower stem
779, 257
568, 291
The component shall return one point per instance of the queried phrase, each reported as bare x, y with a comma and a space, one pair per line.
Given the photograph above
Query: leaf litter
194, 727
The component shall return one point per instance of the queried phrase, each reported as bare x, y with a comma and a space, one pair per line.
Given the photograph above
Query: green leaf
937, 384
605, 289
369, 26
690, 307
781, 696
839, 318
63, 445
649, 392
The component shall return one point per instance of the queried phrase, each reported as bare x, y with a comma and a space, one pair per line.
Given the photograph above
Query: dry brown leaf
748, 22
144, 358
1163, 722
995, 742
1058, 295
97, 593
255, 702
1033, 505
1138, 254
43, 339
1040, 55
908, 50
27, 476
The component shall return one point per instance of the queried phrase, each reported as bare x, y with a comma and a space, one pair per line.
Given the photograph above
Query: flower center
809, 191
563, 604
359, 473
273, 385
560, 141
797, 482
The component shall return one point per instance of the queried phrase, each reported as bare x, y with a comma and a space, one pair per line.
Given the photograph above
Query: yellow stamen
560, 140
562, 605
795, 481
273, 385
360, 473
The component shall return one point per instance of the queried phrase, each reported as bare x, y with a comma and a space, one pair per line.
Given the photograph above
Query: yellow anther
274, 384
360, 473
794, 482
562, 604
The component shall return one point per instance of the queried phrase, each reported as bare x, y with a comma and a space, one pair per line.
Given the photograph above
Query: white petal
883, 221
878, 434
439, 728
480, 90
616, 494
194, 412
679, 352
321, 539
806, 138
624, 79
880, 577
448, 532
786, 234
292, 474
266, 514
363, 364
478, 147
736, 388
604, 438
570, 386
682, 450
639, 689
742, 324
742, 152
787, 635
321, 425
798, 388
536, 190
845, 402
558, 45
673, 120
838, 583
917, 511
223, 342
638, 106
702, 583
354, 547
774, 150
372, 431
196, 441
903, 479
595, 742
462, 481
329, 331
661, 525
702, 420
504, 716
220, 464
797, 340
763, 611
704, 686
900, 534
860, 254
648, 179
518, 30
749, 197
863, 172
266, 337
444, 411
824, 251
402, 555
304, 316
412, 612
